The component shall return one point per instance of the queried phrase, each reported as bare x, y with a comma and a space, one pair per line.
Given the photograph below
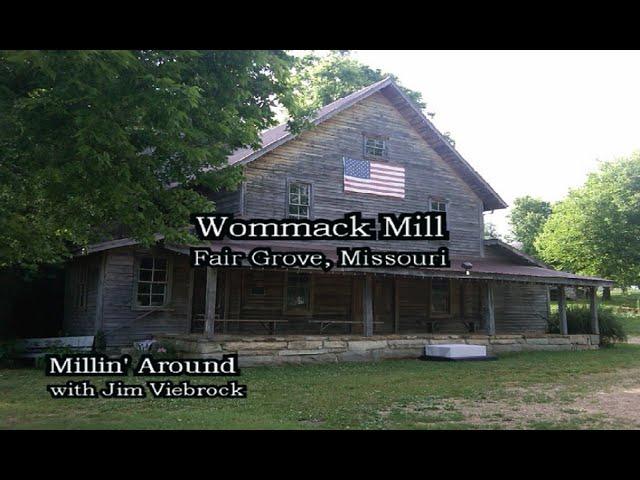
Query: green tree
596, 229
490, 231
322, 79
527, 218
94, 140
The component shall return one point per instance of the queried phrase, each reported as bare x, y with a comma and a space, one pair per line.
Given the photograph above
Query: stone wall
276, 350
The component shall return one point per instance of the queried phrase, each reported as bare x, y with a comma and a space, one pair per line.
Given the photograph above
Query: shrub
41, 361
9, 351
579, 321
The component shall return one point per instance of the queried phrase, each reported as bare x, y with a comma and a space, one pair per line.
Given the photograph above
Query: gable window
436, 205
298, 291
152, 282
440, 296
299, 200
375, 146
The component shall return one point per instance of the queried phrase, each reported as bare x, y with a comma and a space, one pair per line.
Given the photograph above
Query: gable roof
515, 253
276, 136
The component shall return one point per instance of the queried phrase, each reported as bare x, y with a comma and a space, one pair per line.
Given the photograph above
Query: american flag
377, 178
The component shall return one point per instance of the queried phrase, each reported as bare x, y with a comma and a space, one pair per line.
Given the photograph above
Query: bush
9, 351
579, 321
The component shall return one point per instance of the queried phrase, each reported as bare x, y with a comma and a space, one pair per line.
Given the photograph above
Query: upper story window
375, 145
299, 200
153, 282
436, 205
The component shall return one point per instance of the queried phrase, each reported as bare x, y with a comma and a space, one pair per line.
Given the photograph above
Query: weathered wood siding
331, 300
520, 308
316, 157
119, 315
227, 201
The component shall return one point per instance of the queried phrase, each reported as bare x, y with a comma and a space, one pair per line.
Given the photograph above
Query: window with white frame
299, 200
437, 205
375, 146
152, 282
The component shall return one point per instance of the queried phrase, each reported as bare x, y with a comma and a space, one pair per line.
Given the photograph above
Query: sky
530, 122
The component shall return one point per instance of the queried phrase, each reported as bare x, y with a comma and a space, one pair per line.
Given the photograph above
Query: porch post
593, 303
562, 310
210, 301
396, 305
367, 306
491, 318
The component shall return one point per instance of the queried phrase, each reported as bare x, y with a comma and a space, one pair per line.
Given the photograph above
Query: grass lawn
527, 390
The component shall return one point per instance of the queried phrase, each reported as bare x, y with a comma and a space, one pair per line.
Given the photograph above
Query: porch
256, 303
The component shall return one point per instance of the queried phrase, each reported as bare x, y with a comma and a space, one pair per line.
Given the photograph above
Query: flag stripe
363, 190
373, 187
372, 183
385, 180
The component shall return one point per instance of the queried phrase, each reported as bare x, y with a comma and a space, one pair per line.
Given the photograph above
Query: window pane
145, 275
143, 300
161, 264
158, 288
157, 300
303, 211
146, 262
144, 287
159, 276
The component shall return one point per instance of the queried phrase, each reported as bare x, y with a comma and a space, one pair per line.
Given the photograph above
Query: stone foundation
298, 349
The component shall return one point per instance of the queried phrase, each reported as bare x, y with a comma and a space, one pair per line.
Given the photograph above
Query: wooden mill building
132, 293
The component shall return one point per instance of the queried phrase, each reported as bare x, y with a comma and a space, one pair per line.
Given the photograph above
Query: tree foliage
527, 218
490, 231
91, 140
596, 229
320, 80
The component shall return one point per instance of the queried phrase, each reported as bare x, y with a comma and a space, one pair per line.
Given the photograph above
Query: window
438, 205
440, 296
257, 291
298, 291
299, 200
375, 146
152, 282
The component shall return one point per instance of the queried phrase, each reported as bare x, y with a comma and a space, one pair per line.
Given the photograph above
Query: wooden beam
367, 306
562, 310
593, 304
188, 326
210, 301
491, 318
396, 305
227, 299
